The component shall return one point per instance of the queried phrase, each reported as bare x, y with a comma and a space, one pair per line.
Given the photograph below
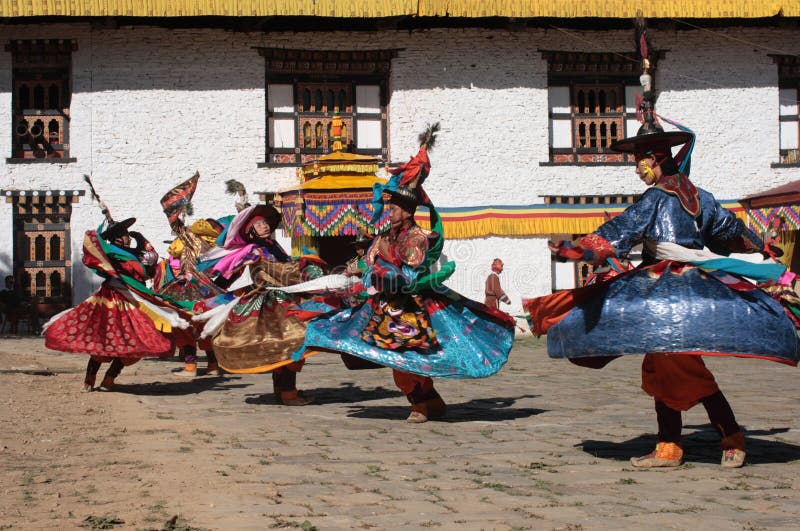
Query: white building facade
150, 105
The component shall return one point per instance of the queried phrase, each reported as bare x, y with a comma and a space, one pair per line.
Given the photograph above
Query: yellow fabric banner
391, 8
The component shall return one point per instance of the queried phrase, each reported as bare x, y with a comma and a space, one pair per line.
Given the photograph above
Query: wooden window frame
40, 130
788, 78
323, 70
611, 71
44, 215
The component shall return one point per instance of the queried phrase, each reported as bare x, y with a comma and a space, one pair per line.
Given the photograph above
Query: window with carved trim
592, 103
306, 89
41, 256
789, 107
41, 99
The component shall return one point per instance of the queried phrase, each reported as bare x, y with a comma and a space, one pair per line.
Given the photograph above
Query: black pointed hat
651, 137
115, 229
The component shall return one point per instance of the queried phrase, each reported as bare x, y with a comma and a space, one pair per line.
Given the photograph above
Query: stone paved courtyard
542, 445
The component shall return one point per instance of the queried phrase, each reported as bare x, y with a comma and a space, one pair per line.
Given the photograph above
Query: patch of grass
536, 465
739, 485
627, 481
430, 523
433, 492
101, 522
176, 523
491, 485
683, 510
160, 505
185, 449
304, 526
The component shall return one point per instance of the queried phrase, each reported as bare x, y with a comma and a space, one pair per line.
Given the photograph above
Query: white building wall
151, 105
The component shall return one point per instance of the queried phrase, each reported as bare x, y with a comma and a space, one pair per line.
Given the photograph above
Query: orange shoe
666, 454
189, 371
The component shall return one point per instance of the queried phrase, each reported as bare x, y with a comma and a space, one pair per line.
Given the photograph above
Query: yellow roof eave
331, 183
392, 8
609, 8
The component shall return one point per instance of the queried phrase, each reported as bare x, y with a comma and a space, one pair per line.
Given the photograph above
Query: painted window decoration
41, 256
789, 107
592, 103
306, 89
41, 98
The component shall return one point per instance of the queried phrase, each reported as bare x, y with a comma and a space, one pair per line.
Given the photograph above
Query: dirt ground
74, 459
542, 445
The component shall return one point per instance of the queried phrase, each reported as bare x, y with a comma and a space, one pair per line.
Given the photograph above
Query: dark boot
111, 374
91, 374
721, 416
284, 385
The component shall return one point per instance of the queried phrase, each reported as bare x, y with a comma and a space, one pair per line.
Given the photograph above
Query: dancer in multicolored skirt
123, 321
686, 300
411, 322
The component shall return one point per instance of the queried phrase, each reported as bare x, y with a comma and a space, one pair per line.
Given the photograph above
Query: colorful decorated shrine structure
331, 205
774, 214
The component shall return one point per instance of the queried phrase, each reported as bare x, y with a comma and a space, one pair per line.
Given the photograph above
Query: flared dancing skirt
471, 340
669, 307
108, 324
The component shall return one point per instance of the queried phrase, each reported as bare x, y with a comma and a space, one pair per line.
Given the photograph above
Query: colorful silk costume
413, 323
684, 301
666, 305
123, 319
262, 328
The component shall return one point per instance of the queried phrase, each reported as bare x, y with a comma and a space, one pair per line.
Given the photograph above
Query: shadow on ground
181, 387
483, 409
701, 446
346, 393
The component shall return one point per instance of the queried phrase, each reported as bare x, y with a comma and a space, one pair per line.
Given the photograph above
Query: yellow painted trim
337, 182
190, 8
605, 8
271, 367
390, 8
